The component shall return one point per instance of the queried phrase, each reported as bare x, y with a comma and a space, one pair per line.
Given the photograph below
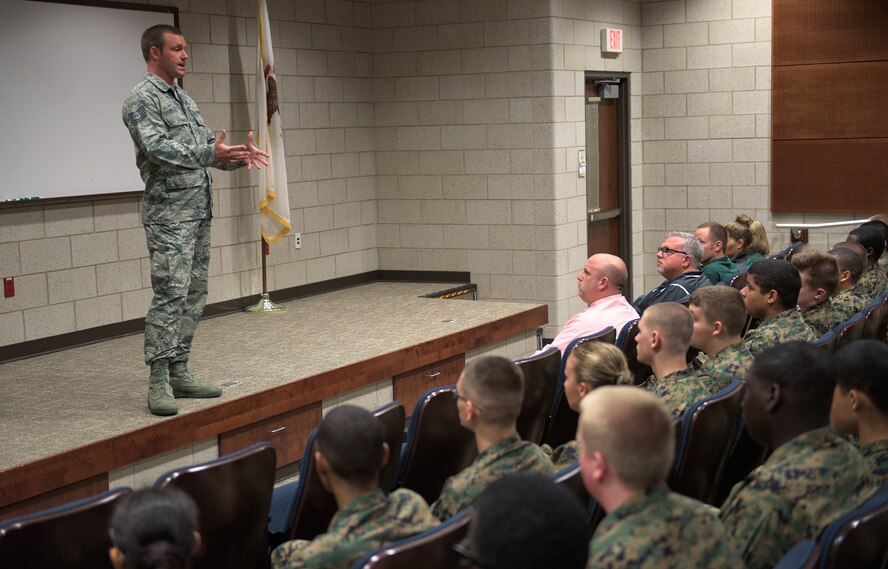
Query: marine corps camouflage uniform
876, 453
563, 455
727, 365
509, 456
821, 318
681, 389
849, 302
873, 281
661, 530
364, 524
784, 327
806, 483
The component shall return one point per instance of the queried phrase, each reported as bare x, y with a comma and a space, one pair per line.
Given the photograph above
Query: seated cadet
590, 365
526, 522
350, 452
849, 298
678, 261
880, 220
719, 317
860, 401
813, 476
717, 266
488, 398
874, 280
664, 336
819, 273
771, 293
627, 445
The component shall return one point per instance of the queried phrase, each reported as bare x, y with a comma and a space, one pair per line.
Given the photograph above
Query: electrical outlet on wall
297, 240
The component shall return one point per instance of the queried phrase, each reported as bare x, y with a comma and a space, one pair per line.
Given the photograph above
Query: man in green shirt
717, 266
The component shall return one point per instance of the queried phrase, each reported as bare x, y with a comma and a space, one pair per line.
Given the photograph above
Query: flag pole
265, 305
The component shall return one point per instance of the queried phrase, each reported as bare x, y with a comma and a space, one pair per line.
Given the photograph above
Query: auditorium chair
626, 342
437, 446
540, 383
738, 281
745, 456
827, 342
233, 494
69, 536
562, 424
876, 318
432, 549
851, 330
303, 509
786, 254
804, 555
571, 477
706, 435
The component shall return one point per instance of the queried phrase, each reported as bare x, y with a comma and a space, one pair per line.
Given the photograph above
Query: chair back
786, 254
738, 281
882, 331
572, 478
70, 536
393, 419
233, 494
745, 456
875, 314
708, 430
804, 555
437, 446
562, 424
857, 539
851, 330
432, 549
827, 342
627, 343
540, 383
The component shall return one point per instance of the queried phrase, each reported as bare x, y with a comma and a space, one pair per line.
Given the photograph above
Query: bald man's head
603, 275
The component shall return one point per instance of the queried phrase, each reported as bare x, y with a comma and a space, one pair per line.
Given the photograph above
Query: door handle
599, 215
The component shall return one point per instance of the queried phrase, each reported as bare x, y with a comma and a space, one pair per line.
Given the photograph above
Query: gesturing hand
257, 157
230, 154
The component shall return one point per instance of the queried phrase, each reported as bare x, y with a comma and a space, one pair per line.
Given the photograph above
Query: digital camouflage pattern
509, 456
821, 317
364, 524
876, 453
806, 483
661, 530
779, 329
849, 302
727, 365
681, 389
873, 281
563, 455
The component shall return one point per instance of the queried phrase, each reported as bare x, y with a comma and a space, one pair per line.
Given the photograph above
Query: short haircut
804, 372
821, 269
497, 385
721, 304
600, 363
528, 522
351, 440
691, 247
154, 37
154, 527
778, 275
675, 324
871, 238
739, 229
633, 430
617, 276
717, 232
863, 365
878, 224
848, 260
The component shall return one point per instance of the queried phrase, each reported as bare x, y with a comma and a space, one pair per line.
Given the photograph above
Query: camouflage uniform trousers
876, 453
179, 253
806, 483
681, 389
661, 530
366, 523
784, 327
728, 365
509, 456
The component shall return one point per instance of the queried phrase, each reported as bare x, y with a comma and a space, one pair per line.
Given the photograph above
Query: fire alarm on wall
611, 40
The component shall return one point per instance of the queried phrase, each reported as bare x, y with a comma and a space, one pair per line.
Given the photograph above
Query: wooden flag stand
265, 305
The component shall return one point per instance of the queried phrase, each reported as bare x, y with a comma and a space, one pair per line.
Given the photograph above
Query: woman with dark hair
155, 528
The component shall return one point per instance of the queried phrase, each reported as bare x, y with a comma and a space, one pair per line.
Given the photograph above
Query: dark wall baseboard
42, 346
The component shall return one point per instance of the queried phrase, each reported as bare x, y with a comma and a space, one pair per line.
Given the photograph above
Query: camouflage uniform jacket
364, 524
509, 456
174, 148
873, 281
563, 455
806, 483
848, 303
681, 389
821, 317
661, 530
877, 454
728, 365
719, 270
784, 327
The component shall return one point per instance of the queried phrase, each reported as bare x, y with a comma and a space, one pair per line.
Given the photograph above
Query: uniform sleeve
142, 116
753, 531
449, 502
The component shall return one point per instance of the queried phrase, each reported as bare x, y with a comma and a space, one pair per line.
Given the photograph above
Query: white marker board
66, 70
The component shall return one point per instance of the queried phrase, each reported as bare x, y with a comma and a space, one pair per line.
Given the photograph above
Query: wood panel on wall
829, 134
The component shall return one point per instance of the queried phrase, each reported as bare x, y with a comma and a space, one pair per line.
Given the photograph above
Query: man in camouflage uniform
488, 395
814, 474
174, 150
719, 316
860, 401
664, 336
350, 452
874, 279
771, 292
627, 443
850, 297
819, 273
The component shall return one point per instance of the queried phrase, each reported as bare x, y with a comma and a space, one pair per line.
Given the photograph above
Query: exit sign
611, 40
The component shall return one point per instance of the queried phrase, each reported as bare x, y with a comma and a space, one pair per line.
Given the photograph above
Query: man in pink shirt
601, 287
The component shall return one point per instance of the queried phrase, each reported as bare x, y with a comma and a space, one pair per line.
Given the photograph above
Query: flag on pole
274, 203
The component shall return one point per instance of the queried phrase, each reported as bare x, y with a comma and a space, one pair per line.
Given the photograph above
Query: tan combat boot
185, 385
160, 394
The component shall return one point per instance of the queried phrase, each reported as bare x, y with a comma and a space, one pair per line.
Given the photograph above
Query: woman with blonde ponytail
747, 241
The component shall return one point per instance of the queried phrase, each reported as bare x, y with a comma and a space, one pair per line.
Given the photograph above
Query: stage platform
76, 422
